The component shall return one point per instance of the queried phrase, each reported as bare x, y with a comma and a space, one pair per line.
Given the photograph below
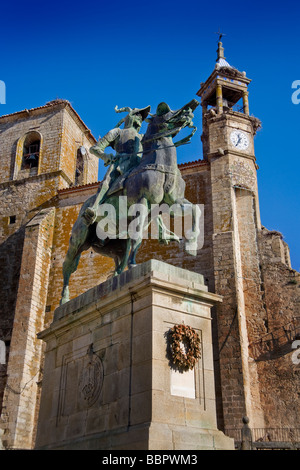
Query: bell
32, 160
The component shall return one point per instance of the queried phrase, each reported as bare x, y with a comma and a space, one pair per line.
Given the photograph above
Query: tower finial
220, 34
220, 50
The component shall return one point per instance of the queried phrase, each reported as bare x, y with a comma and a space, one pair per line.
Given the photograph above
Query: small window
12, 219
79, 171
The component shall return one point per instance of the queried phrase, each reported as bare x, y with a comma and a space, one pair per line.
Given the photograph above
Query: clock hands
239, 140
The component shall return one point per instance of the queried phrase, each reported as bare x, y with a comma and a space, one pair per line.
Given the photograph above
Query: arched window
31, 151
80, 163
28, 155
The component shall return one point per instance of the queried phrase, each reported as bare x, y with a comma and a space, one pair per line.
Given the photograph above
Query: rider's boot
89, 215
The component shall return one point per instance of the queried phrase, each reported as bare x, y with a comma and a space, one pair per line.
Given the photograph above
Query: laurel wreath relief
185, 346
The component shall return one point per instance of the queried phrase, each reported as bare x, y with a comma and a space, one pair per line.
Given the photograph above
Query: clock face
239, 140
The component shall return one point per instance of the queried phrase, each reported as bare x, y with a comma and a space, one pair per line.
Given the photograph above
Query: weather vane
220, 34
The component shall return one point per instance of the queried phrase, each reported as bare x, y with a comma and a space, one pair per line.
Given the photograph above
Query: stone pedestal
108, 383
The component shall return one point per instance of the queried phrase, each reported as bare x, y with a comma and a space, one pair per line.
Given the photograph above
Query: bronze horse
155, 180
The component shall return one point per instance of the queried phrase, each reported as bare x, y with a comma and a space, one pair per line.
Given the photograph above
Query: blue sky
100, 54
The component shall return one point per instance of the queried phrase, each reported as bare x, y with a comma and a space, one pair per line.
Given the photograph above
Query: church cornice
58, 104
41, 176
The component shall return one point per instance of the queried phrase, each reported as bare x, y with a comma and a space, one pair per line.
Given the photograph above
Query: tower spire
220, 50
221, 62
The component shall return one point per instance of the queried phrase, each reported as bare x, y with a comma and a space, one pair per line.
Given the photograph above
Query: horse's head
180, 118
168, 123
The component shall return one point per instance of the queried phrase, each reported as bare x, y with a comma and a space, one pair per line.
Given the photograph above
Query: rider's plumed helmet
135, 116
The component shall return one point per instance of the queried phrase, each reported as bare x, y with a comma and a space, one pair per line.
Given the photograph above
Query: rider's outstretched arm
106, 141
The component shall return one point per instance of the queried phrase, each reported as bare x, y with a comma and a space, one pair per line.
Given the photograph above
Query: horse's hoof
63, 301
65, 297
132, 266
191, 252
191, 249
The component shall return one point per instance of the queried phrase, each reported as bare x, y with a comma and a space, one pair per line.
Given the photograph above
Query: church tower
228, 147
43, 151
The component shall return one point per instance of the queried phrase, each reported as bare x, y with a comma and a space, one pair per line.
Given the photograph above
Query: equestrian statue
142, 174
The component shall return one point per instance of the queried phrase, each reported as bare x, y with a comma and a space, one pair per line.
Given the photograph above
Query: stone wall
73, 137
278, 374
23, 372
24, 195
20, 200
